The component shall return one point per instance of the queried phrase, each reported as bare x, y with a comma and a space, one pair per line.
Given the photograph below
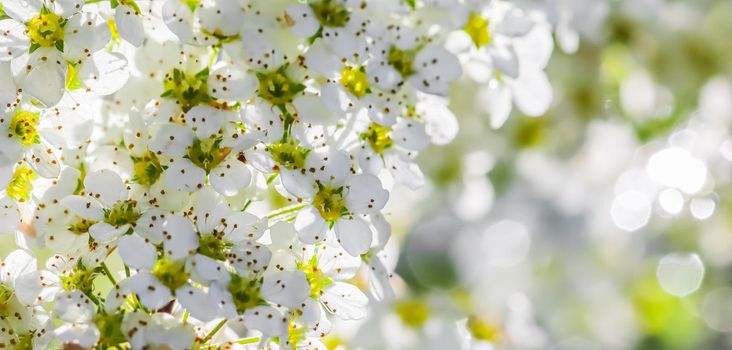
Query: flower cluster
213, 173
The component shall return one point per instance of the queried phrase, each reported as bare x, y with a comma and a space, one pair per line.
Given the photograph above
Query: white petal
297, 183
105, 73
74, 306
345, 301
150, 225
37, 287
231, 82
178, 17
301, 20
136, 253
249, 257
230, 177
22, 10
13, 41
172, 139
104, 232
354, 234
286, 288
85, 33
46, 79
9, 91
329, 166
18, 263
85, 207
129, 25
209, 270
106, 186
267, 320
65, 127
44, 161
197, 302
440, 123
404, 170
66, 8
209, 209
532, 93
311, 227
365, 194
180, 237
149, 290
410, 134
336, 263
496, 99
9, 215
183, 175
242, 226
379, 283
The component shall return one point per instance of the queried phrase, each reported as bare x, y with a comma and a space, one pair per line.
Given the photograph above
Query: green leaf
60, 45
33, 47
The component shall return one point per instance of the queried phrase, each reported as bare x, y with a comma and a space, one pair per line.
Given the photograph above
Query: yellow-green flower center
122, 213
244, 292
288, 154
402, 60
277, 87
483, 330
147, 169
477, 29
189, 90
21, 184
207, 154
378, 137
315, 276
81, 279
413, 313
355, 80
330, 203
6, 294
110, 329
213, 246
330, 13
80, 225
46, 29
23, 127
171, 273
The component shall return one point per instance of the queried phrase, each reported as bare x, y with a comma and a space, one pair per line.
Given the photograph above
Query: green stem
109, 274
286, 211
213, 331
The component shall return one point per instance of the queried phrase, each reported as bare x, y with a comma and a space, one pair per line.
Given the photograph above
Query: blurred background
603, 224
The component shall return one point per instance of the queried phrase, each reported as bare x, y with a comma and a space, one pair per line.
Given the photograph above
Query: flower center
378, 137
147, 169
21, 341
355, 80
414, 313
402, 60
21, 185
188, 90
207, 154
80, 225
81, 279
213, 247
110, 329
330, 13
122, 213
277, 87
483, 330
316, 278
171, 273
6, 294
330, 203
23, 127
288, 154
244, 292
46, 29
477, 29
